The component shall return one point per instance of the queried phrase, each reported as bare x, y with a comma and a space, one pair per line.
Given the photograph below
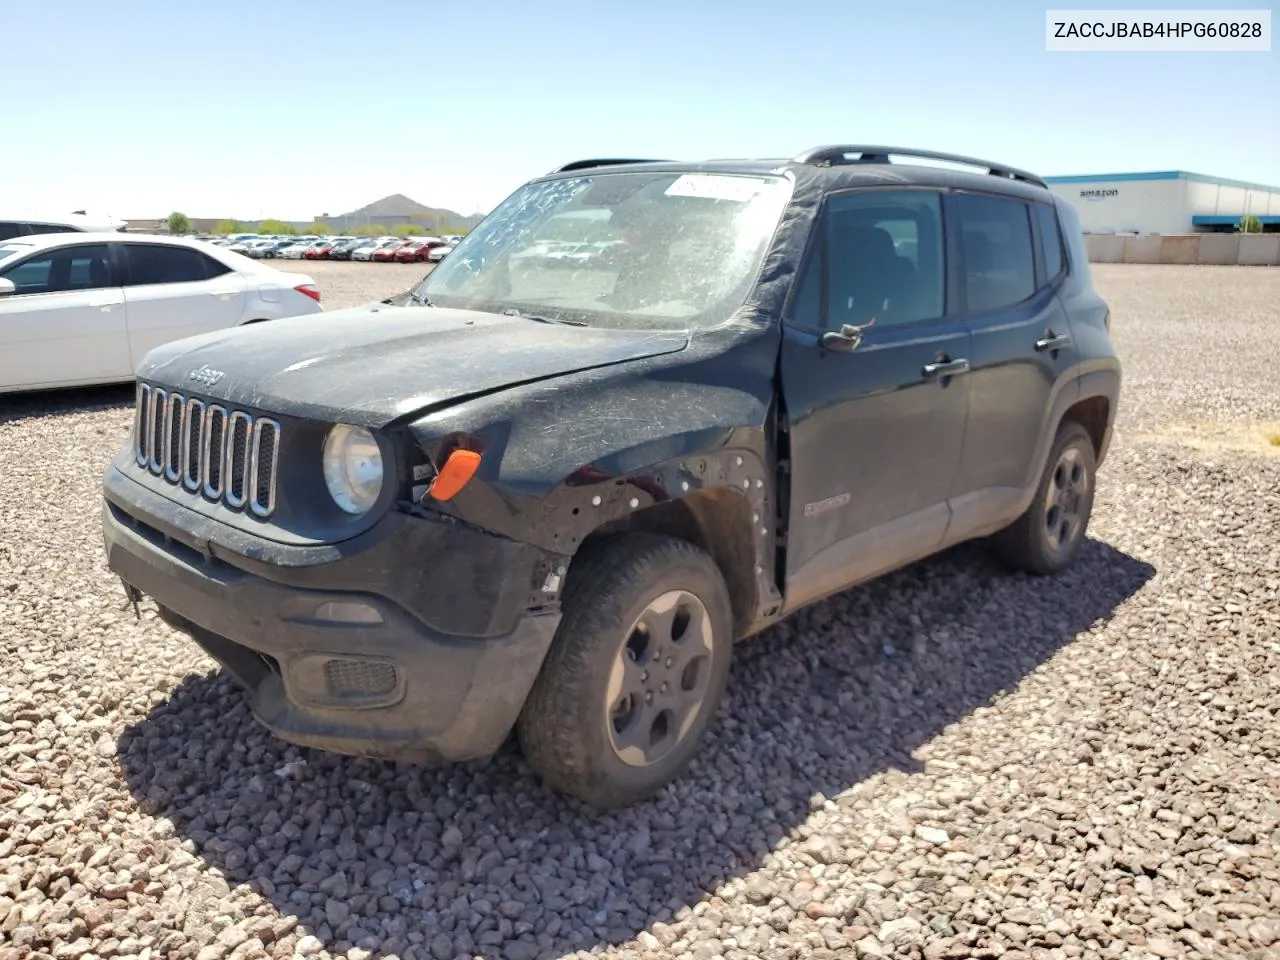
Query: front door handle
946, 368
1054, 341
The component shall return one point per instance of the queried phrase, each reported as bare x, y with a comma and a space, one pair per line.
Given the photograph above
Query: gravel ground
950, 762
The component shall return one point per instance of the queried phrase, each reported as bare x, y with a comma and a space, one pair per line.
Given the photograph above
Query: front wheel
1048, 536
636, 672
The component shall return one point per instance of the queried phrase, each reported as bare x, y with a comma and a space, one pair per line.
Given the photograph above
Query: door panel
170, 295
66, 322
874, 447
875, 430
171, 311
1019, 353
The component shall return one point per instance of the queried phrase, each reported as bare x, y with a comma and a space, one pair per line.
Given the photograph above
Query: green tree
179, 224
229, 226
319, 228
276, 226
407, 230
1249, 224
368, 230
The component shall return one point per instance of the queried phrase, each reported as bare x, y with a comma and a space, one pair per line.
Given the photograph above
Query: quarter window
999, 265
1050, 240
156, 264
56, 271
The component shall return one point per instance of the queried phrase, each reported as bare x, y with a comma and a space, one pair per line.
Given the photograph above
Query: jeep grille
226, 455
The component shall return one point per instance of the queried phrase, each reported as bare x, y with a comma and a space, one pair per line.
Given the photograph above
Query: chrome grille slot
215, 426
266, 451
192, 426
140, 431
227, 455
173, 407
155, 430
234, 472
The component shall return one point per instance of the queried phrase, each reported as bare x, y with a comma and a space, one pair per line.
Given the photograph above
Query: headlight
352, 468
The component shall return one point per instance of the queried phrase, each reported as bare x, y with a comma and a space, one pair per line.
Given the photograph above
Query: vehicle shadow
59, 403
482, 860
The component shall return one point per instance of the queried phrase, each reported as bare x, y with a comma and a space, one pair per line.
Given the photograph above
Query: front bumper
346, 670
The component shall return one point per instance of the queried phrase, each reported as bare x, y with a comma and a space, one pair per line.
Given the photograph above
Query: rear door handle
948, 368
1053, 342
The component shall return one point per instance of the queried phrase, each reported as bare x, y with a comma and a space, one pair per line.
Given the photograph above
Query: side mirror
848, 338
7, 289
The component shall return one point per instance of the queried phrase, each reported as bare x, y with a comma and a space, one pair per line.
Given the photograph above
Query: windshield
619, 249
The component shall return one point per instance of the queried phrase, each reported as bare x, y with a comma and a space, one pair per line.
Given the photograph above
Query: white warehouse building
1166, 202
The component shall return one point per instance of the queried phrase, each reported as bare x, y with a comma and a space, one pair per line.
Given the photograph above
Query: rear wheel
635, 674
1048, 536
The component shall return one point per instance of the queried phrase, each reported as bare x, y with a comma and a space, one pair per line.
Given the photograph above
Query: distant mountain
399, 206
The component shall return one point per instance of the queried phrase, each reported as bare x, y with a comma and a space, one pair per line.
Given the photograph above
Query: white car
84, 308
294, 251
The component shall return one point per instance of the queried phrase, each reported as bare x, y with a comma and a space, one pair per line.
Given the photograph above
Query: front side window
635, 249
879, 259
150, 264
59, 271
999, 265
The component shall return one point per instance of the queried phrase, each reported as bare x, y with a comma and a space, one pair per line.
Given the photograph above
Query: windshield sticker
713, 187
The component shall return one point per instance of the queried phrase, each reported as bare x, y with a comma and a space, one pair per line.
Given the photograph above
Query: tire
615, 750
1043, 541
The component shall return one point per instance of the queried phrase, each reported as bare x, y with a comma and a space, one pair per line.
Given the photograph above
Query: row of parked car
386, 249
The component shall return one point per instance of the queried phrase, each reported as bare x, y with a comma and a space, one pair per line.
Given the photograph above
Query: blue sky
250, 108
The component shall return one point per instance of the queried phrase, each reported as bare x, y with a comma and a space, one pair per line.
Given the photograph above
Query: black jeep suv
644, 409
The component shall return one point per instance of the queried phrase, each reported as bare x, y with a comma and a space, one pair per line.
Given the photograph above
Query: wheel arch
1092, 413
718, 520
1095, 408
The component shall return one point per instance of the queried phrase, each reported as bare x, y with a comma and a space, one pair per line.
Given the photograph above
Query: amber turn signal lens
455, 474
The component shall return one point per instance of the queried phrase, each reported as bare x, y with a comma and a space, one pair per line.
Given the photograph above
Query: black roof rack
605, 162
841, 153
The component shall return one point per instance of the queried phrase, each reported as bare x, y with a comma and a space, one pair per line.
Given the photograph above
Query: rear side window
51, 228
1050, 240
9, 229
156, 264
999, 263
57, 271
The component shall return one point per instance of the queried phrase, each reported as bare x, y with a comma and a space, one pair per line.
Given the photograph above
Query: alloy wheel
1065, 500
659, 679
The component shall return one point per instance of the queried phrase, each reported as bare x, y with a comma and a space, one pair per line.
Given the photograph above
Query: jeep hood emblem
206, 375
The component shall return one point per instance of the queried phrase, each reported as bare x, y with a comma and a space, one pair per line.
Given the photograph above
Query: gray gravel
951, 762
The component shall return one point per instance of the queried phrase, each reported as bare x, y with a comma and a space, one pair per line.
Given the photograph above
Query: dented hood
371, 365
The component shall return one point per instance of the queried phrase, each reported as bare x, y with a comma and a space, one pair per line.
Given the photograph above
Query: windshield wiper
420, 299
513, 312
